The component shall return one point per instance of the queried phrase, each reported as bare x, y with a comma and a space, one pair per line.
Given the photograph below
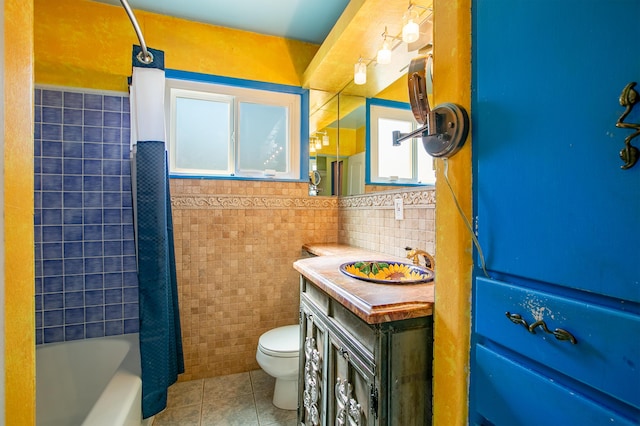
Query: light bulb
312, 148
411, 29
384, 54
360, 73
325, 140
318, 143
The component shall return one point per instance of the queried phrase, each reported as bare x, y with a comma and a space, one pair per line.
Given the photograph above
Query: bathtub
89, 382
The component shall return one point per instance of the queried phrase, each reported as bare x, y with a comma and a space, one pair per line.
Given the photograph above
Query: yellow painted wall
79, 43
452, 329
19, 326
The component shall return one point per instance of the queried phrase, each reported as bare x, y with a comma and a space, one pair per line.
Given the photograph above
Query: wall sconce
384, 54
360, 72
317, 143
411, 27
325, 138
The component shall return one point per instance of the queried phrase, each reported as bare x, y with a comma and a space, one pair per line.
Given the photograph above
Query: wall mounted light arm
145, 56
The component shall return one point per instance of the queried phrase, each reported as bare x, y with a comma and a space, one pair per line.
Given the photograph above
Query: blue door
558, 218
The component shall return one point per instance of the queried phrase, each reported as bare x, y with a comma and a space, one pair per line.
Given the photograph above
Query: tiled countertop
374, 303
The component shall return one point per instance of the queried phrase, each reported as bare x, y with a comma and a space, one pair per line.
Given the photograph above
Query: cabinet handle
558, 333
344, 353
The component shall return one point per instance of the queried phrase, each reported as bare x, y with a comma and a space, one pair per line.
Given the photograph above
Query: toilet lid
282, 341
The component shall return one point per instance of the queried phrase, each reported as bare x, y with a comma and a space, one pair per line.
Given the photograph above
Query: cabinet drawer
510, 394
606, 355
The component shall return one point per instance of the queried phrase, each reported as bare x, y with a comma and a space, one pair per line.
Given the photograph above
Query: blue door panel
509, 394
553, 203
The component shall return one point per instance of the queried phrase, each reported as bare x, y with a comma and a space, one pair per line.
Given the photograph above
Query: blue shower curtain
160, 337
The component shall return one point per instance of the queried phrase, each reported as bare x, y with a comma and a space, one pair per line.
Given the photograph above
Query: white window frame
376, 112
236, 95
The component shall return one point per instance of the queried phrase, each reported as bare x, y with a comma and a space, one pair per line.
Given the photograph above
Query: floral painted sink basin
387, 272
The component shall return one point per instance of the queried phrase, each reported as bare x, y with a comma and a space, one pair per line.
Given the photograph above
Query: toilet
277, 355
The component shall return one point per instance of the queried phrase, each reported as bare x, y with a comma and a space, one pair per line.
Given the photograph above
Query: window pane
426, 172
263, 137
202, 134
393, 160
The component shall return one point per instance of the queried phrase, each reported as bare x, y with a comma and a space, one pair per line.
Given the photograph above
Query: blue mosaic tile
37, 97
130, 294
72, 166
131, 326
112, 119
93, 233
111, 135
73, 282
38, 286
94, 313
72, 133
37, 116
51, 234
131, 310
72, 116
39, 319
51, 216
113, 328
72, 183
113, 280
52, 267
52, 115
113, 232
52, 149
127, 201
51, 98
112, 167
113, 248
93, 281
129, 263
92, 151
93, 183
73, 100
73, 332
112, 312
53, 318
126, 123
72, 200
93, 118
72, 233
125, 104
92, 199
92, 167
52, 251
95, 298
92, 134
52, 284
74, 315
52, 132
112, 199
111, 183
51, 166
94, 330
113, 296
92, 101
72, 216
52, 200
52, 301
92, 216
112, 216
37, 148
73, 266
129, 246
127, 216
111, 152
37, 165
126, 167
52, 183
39, 336
113, 103
93, 265
53, 334
38, 302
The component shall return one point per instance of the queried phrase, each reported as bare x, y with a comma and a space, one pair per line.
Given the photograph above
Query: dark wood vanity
366, 348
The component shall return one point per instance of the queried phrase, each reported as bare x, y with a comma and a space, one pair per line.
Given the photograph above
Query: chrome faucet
415, 254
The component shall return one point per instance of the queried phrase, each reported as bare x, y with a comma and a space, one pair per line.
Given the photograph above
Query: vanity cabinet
356, 373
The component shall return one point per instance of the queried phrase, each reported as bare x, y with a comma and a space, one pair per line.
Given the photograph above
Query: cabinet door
350, 388
311, 392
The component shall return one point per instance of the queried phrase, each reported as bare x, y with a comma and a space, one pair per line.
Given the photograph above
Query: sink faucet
415, 254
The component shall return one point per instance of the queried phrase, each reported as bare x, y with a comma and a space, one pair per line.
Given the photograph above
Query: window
229, 130
406, 164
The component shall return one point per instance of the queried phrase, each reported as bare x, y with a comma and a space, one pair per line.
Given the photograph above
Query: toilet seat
282, 342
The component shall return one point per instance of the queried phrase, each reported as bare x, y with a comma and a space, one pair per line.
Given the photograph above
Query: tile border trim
411, 199
188, 202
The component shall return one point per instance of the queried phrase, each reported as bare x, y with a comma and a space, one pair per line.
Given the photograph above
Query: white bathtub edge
124, 390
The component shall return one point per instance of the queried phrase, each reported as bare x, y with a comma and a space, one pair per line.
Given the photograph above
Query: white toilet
277, 355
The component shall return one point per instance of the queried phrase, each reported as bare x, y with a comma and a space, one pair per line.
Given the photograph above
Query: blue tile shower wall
86, 280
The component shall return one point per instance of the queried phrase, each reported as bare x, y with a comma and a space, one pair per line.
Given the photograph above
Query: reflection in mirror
323, 143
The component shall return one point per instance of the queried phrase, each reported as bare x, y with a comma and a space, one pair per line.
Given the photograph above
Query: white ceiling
305, 20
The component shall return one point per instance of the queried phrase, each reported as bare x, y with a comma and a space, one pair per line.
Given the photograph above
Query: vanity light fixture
360, 72
384, 54
318, 143
325, 138
312, 147
411, 27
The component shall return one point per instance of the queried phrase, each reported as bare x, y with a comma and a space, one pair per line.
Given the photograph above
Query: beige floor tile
232, 386
238, 411
261, 381
182, 394
269, 414
179, 416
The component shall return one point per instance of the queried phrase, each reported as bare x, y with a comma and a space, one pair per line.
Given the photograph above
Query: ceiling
305, 20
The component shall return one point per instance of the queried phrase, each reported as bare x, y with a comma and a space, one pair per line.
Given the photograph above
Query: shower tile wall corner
86, 280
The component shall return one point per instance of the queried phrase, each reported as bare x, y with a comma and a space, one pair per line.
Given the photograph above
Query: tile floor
242, 399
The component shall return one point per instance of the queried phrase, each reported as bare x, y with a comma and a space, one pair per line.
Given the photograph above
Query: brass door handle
558, 333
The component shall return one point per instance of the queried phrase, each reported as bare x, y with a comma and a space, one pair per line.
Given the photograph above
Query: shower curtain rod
145, 56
